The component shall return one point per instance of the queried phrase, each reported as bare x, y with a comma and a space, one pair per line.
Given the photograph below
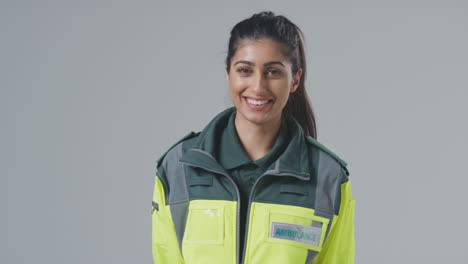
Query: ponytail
299, 105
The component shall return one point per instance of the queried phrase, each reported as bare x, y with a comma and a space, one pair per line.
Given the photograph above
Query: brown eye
273, 72
243, 70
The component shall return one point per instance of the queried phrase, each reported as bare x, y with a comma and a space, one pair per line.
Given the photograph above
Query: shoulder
313, 143
184, 139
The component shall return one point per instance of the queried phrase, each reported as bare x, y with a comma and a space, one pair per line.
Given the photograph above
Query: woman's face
260, 81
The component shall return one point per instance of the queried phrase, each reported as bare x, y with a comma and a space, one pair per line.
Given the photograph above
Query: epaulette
314, 142
189, 135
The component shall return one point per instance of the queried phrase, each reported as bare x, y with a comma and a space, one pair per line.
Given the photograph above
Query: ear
227, 73
296, 81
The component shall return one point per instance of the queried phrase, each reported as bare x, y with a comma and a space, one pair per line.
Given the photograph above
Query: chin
258, 118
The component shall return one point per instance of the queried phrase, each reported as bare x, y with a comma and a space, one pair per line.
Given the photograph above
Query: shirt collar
231, 153
293, 159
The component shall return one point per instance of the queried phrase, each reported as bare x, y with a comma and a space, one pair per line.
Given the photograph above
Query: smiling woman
255, 186
261, 80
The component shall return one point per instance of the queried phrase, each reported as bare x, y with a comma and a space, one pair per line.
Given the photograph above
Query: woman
254, 186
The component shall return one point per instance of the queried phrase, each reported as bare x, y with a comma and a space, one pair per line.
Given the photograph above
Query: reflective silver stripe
179, 214
311, 254
178, 195
328, 178
175, 175
328, 181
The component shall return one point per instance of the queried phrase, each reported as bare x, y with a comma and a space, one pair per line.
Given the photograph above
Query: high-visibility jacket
299, 211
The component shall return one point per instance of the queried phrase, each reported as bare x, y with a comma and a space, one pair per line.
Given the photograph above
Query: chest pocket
296, 229
294, 225
205, 221
210, 232
205, 224
294, 233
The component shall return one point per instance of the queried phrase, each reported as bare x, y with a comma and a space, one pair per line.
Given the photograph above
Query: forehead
261, 50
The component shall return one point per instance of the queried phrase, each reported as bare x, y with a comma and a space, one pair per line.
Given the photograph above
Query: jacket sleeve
165, 248
339, 248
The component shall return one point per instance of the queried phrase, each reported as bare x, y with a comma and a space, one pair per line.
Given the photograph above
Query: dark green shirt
242, 169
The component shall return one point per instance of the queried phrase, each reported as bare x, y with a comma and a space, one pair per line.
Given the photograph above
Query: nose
259, 82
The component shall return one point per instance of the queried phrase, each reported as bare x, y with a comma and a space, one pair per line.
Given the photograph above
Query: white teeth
255, 102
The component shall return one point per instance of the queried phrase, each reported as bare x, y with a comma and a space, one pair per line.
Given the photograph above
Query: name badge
300, 233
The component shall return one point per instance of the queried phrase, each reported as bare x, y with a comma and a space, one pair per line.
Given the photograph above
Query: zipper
252, 192
238, 199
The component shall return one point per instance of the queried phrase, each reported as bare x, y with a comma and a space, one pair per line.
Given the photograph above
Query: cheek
281, 89
236, 86
234, 93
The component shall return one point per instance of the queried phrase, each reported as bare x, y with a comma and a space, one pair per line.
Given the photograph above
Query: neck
257, 139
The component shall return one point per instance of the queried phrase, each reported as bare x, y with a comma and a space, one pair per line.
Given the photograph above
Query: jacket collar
294, 161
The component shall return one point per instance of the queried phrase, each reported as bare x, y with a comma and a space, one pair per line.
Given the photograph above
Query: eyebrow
265, 64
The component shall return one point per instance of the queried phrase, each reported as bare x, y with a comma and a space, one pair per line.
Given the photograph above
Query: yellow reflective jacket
301, 209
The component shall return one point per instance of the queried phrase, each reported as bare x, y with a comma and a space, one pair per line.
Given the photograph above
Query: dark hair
280, 29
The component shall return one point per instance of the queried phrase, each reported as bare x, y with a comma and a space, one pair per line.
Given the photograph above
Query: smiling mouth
257, 103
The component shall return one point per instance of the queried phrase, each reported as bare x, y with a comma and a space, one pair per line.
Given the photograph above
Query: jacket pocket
295, 234
295, 229
157, 232
205, 225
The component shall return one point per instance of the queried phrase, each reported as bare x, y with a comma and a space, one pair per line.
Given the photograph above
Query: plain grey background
93, 92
